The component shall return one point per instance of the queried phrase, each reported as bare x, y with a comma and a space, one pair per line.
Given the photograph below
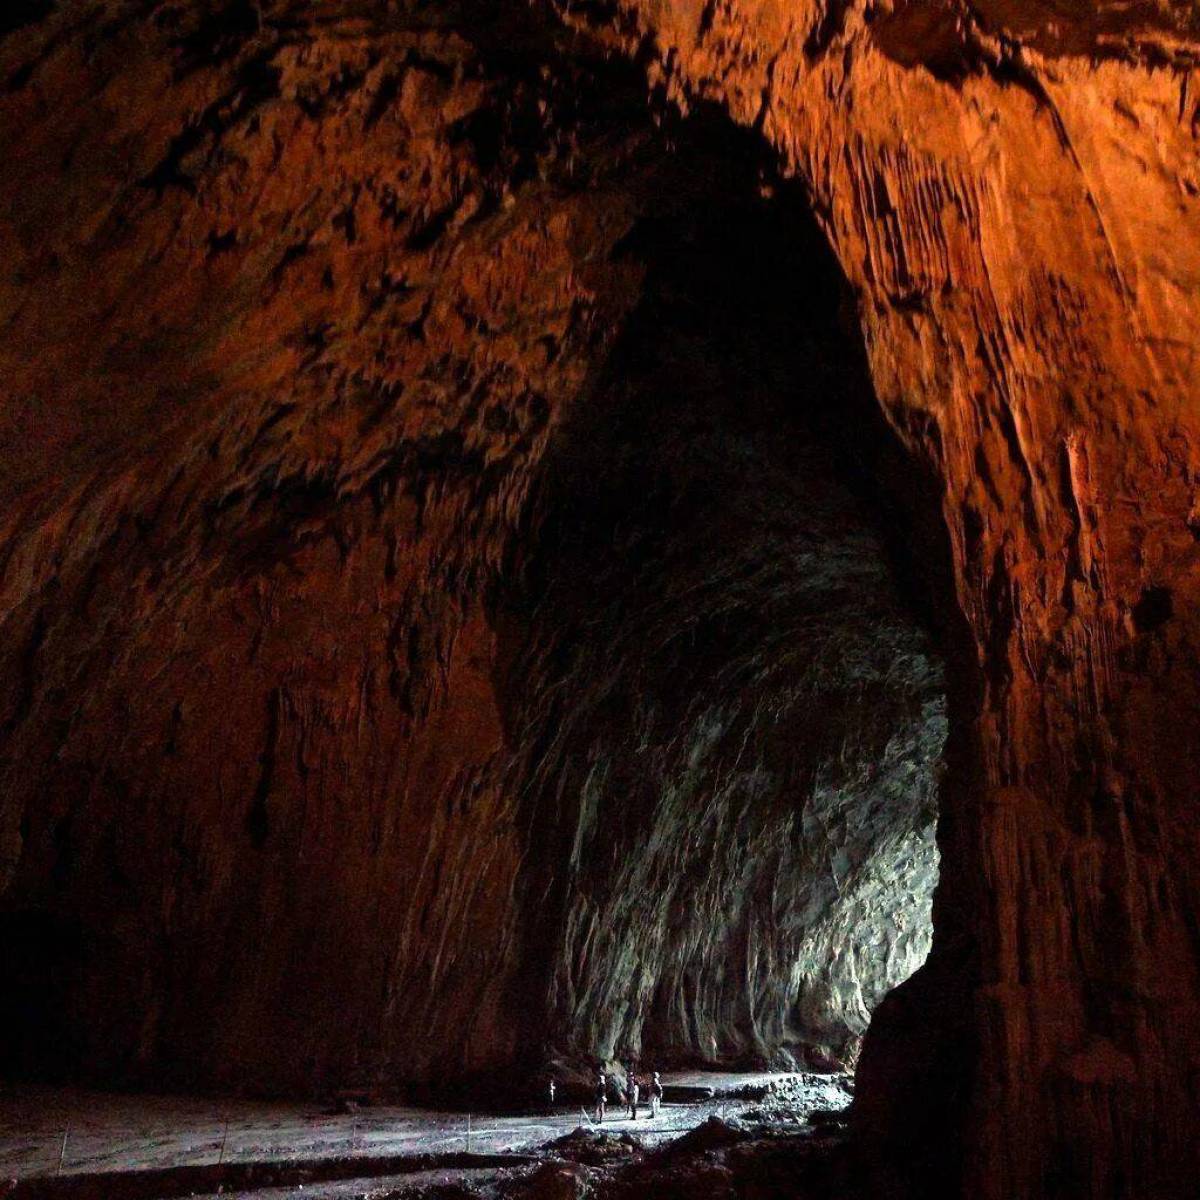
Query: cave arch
274, 445
456, 347
708, 592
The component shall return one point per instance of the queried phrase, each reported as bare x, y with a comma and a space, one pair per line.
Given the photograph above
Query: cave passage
567, 595
731, 715
465, 612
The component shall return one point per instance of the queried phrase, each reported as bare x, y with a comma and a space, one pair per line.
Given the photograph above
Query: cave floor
131, 1133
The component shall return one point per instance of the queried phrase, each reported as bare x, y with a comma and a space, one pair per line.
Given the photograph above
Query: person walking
631, 1085
656, 1091
601, 1096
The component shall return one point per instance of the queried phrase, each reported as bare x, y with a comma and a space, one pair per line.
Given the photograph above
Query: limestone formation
458, 593
434, 636
1011, 190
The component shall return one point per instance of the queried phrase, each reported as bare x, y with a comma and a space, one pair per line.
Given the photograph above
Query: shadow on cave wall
727, 720
733, 718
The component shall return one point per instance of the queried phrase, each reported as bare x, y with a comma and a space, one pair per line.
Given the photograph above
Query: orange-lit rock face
341, 737
1012, 190
278, 351
292, 311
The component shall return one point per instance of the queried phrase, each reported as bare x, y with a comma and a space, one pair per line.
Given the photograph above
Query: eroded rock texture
1011, 190
435, 628
732, 726
295, 301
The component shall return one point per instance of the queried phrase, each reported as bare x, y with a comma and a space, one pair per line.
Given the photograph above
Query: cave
548, 537
730, 717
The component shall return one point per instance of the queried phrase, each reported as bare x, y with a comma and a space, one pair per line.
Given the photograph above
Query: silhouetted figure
634, 1091
550, 1092
656, 1092
601, 1097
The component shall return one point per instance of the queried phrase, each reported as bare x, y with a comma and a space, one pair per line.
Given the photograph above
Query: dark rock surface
298, 299
733, 725
436, 628
1011, 191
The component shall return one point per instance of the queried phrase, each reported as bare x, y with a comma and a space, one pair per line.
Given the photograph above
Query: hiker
601, 1097
632, 1089
656, 1090
550, 1092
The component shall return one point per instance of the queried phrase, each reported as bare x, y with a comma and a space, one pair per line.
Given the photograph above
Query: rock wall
293, 303
279, 345
1011, 190
320, 742
732, 726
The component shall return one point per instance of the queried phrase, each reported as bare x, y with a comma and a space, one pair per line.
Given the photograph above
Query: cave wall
297, 306
731, 722
221, 396
1011, 190
280, 344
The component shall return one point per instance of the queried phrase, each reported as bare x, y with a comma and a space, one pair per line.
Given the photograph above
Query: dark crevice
17, 14
1153, 609
258, 819
735, 411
